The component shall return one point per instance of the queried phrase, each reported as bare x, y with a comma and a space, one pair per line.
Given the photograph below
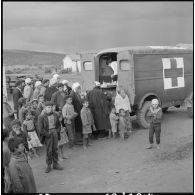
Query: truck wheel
142, 118
165, 109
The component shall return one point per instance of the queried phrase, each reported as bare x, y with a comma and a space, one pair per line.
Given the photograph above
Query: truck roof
148, 49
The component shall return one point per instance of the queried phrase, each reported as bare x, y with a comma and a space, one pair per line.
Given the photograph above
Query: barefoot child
122, 124
155, 114
113, 121
20, 172
30, 128
88, 123
69, 115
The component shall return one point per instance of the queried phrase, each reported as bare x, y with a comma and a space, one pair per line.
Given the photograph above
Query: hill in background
23, 57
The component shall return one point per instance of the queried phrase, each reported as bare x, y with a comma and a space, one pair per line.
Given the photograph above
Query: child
35, 112
88, 123
113, 121
22, 109
69, 115
63, 137
30, 129
21, 174
155, 114
122, 124
49, 125
34, 109
8, 114
17, 132
6, 160
41, 103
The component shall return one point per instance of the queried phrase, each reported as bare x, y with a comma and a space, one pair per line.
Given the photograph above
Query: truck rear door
87, 71
175, 76
126, 73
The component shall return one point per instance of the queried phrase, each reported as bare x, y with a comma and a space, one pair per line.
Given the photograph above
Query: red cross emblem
173, 72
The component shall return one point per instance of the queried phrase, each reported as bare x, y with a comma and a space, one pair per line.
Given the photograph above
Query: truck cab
147, 72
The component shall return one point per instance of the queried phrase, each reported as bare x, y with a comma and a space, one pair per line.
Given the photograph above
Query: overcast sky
84, 26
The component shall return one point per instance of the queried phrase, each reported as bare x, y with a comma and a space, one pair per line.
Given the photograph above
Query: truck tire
141, 115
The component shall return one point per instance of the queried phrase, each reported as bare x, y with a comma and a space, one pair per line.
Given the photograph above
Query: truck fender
153, 95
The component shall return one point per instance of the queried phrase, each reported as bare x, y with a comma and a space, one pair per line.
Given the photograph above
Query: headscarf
75, 86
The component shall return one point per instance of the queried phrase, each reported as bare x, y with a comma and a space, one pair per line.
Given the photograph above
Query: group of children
119, 124
39, 123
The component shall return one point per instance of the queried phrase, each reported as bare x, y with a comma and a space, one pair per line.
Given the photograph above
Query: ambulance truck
147, 72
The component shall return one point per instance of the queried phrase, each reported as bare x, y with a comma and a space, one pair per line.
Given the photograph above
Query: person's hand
15, 115
59, 136
48, 134
94, 128
28, 139
11, 114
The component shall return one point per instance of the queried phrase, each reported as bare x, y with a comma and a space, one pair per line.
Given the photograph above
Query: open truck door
87, 71
126, 74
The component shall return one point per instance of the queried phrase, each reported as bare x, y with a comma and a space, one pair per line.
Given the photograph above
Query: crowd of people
52, 113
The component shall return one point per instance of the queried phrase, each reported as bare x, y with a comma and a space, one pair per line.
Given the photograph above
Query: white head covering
37, 83
52, 81
97, 83
155, 101
75, 85
56, 76
64, 82
27, 80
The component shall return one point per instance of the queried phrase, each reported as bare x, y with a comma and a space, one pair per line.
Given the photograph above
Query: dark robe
17, 94
58, 99
99, 108
49, 92
77, 103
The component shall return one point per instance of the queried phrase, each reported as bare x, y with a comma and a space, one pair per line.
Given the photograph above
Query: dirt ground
126, 166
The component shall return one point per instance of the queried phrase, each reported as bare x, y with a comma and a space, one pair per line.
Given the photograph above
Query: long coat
87, 120
17, 94
58, 99
77, 103
49, 92
21, 175
99, 108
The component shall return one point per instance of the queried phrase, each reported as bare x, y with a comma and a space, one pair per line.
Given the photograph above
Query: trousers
51, 143
71, 134
154, 129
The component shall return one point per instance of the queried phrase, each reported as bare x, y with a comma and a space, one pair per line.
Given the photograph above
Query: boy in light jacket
155, 114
